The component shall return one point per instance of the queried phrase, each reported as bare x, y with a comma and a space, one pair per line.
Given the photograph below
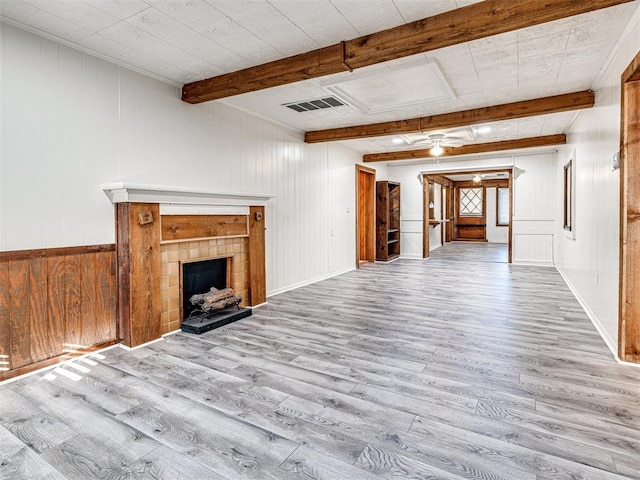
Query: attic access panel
421, 84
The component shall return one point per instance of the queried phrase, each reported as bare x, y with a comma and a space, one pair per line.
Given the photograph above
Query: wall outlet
333, 232
348, 209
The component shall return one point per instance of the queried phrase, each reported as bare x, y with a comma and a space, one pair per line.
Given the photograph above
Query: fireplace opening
198, 278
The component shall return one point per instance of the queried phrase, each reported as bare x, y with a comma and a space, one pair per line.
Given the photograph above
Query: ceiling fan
436, 142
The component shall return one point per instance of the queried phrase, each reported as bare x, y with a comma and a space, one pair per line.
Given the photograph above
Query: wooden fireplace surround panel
187, 227
140, 230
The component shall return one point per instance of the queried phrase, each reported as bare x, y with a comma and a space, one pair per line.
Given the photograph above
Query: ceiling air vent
310, 105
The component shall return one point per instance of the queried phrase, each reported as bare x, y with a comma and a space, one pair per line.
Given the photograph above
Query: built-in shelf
387, 220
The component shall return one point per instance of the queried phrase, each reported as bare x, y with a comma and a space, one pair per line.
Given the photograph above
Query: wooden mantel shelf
122, 192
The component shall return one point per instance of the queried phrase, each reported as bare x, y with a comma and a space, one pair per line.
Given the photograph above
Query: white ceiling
180, 41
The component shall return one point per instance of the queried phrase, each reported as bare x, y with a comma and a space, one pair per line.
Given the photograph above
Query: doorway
365, 215
452, 221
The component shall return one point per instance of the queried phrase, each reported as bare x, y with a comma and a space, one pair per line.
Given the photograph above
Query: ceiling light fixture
477, 178
483, 130
437, 149
397, 140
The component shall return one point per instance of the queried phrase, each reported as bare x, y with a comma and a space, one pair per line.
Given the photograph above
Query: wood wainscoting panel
55, 300
106, 298
138, 250
20, 348
54, 303
87, 291
189, 227
73, 300
5, 325
257, 274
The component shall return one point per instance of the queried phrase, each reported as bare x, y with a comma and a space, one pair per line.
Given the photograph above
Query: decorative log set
214, 300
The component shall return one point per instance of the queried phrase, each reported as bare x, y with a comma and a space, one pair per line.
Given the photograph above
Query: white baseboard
171, 333
388, 261
533, 264
412, 256
611, 344
58, 365
144, 344
304, 283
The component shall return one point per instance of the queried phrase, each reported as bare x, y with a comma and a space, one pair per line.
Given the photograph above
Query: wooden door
471, 221
365, 215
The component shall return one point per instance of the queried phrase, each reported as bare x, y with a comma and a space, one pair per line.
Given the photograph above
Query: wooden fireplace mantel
138, 238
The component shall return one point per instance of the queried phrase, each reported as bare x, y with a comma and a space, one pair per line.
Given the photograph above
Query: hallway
472, 252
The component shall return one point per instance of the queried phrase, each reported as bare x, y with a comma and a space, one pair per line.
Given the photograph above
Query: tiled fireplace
159, 228
174, 253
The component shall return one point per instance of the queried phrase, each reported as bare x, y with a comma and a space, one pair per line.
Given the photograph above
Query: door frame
440, 177
370, 206
629, 287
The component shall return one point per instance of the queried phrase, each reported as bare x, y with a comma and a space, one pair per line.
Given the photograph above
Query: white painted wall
589, 262
495, 234
535, 202
71, 122
410, 210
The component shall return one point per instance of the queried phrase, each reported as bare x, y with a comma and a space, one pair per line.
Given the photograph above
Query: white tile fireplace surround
190, 225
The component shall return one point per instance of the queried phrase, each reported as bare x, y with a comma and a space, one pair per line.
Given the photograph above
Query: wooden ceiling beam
507, 111
475, 21
543, 141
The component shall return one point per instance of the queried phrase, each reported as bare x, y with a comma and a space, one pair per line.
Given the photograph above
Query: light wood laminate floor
436, 369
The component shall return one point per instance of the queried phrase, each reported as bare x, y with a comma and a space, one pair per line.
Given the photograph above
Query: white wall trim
412, 256
259, 305
443, 169
613, 347
304, 283
58, 365
119, 192
171, 333
533, 264
129, 349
